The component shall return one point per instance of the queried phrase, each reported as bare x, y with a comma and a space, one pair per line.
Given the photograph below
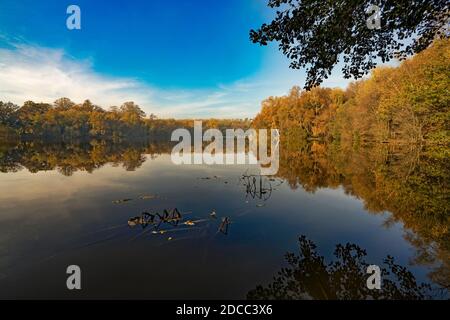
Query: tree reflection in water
68, 158
410, 182
308, 276
258, 187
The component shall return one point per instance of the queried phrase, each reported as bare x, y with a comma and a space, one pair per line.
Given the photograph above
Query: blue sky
190, 58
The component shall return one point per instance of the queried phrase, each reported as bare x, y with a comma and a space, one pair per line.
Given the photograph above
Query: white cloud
42, 74
29, 72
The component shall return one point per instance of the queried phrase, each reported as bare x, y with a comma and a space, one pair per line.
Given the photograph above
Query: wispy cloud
43, 74
30, 72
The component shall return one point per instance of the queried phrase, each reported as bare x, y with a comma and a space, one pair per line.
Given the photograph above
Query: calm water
72, 204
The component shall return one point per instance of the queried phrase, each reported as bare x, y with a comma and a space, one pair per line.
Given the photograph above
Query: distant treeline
408, 103
67, 121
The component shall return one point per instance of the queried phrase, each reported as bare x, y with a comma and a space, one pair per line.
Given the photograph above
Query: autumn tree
29, 116
131, 112
63, 104
409, 103
8, 112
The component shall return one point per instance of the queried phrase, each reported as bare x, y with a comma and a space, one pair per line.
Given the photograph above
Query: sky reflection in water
49, 221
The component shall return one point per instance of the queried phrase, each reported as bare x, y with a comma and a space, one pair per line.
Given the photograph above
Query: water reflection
258, 187
223, 228
408, 183
68, 158
308, 276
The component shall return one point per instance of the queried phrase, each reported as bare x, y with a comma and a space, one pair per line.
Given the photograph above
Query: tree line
65, 120
407, 103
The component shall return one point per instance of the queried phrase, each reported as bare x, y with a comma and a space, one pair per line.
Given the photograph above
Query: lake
96, 205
